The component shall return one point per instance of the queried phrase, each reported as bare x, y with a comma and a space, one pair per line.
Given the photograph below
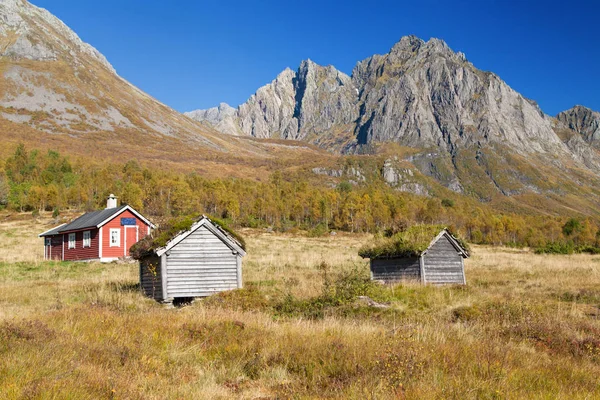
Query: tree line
35, 181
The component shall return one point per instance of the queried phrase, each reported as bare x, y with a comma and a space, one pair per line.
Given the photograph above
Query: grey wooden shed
441, 263
199, 262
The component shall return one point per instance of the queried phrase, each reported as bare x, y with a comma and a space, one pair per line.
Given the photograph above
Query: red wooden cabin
104, 235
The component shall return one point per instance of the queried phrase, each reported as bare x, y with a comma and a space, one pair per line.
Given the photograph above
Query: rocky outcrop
422, 94
222, 118
584, 121
297, 105
34, 33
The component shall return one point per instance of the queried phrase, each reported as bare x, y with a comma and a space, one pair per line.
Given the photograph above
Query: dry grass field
525, 327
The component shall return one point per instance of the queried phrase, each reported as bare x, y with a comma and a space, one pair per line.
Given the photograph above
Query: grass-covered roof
411, 242
173, 228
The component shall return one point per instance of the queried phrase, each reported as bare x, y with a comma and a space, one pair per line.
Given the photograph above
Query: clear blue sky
195, 54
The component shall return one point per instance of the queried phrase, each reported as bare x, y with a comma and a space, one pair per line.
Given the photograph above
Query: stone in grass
366, 300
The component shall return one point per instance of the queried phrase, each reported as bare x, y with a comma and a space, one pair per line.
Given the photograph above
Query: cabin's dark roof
52, 231
87, 220
91, 219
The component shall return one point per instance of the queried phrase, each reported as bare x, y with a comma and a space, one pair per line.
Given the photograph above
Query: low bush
566, 248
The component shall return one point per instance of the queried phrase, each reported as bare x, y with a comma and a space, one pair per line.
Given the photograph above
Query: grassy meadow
525, 327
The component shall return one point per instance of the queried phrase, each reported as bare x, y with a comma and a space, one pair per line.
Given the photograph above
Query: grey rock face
422, 94
325, 98
299, 105
584, 121
40, 35
222, 118
270, 111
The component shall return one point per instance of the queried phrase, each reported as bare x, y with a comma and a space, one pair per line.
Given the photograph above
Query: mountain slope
431, 119
60, 92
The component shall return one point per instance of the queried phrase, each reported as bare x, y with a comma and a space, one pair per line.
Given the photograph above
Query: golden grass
526, 326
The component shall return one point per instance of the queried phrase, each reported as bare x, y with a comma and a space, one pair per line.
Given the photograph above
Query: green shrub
556, 248
336, 295
319, 230
448, 203
465, 313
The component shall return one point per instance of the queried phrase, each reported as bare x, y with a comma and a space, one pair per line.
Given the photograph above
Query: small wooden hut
200, 261
429, 254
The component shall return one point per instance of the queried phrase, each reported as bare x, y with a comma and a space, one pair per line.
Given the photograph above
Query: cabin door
55, 248
131, 238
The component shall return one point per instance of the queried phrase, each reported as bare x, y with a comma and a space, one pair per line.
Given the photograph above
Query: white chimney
111, 202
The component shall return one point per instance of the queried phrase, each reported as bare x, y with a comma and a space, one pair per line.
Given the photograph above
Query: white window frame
72, 240
87, 238
118, 236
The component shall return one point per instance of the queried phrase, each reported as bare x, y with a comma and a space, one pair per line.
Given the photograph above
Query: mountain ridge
374, 114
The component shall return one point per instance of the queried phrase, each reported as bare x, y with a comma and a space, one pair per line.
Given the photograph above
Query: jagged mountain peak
407, 44
584, 121
412, 47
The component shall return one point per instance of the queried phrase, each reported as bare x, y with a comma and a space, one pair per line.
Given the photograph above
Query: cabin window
71, 240
87, 241
115, 237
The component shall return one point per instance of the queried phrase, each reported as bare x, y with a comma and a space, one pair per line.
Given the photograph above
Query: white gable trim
137, 214
56, 227
453, 242
212, 228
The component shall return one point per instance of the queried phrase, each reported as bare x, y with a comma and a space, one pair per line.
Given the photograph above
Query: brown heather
526, 326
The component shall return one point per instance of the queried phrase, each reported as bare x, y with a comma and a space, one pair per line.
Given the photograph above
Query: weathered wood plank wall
150, 278
395, 269
443, 264
200, 265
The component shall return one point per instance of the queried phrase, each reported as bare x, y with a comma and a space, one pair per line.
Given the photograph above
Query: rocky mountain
583, 121
420, 94
221, 117
471, 131
314, 103
307, 105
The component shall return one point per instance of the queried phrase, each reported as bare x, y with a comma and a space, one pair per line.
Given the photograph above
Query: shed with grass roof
199, 261
425, 253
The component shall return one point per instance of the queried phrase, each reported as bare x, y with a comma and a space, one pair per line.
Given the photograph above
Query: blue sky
195, 54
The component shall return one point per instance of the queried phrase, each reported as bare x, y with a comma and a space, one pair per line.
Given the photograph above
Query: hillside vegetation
35, 181
526, 326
